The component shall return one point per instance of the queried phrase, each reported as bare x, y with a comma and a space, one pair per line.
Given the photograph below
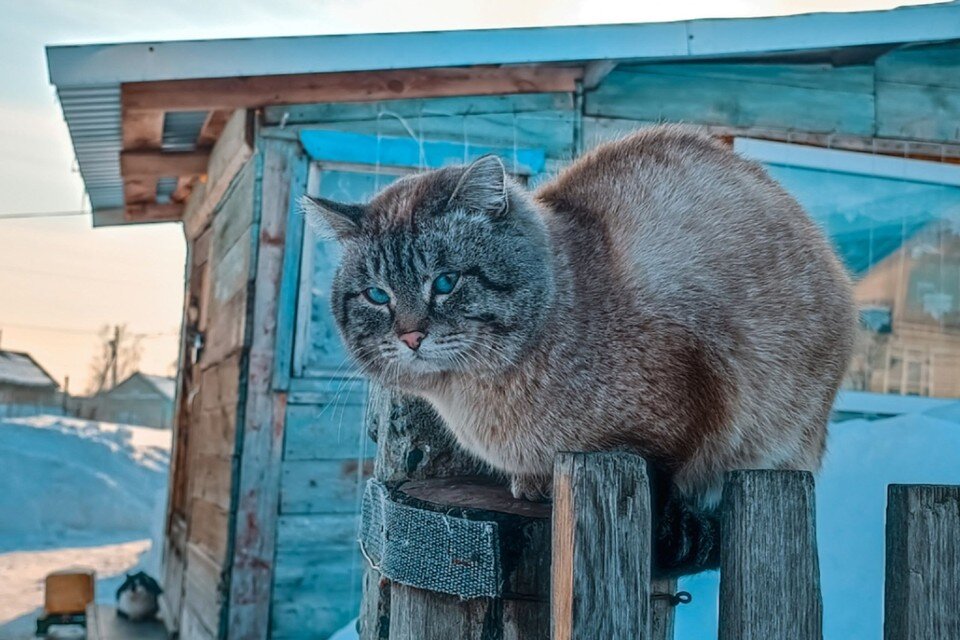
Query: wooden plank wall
327, 456
219, 278
909, 94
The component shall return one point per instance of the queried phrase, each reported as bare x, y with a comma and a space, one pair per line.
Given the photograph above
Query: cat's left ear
482, 187
332, 220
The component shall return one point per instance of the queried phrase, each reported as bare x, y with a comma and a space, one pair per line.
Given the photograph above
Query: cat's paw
532, 488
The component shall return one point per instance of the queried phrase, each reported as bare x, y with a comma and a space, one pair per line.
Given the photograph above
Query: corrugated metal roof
88, 77
21, 370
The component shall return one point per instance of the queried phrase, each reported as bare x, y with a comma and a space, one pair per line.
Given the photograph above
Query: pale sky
60, 280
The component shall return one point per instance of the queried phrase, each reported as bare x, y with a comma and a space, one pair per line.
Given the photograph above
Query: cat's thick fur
662, 295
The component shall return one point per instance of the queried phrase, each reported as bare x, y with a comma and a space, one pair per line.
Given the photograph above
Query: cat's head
446, 272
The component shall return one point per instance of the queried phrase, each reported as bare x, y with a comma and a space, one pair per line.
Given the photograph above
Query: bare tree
118, 356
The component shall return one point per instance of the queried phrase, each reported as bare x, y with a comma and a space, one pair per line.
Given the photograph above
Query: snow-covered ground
862, 459
75, 493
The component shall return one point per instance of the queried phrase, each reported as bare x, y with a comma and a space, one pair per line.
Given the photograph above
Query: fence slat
601, 547
662, 610
769, 570
922, 591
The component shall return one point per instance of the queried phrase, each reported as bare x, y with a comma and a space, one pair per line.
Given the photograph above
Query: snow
20, 369
863, 457
75, 492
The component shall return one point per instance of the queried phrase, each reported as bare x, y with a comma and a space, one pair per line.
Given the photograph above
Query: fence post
662, 610
769, 570
600, 584
922, 590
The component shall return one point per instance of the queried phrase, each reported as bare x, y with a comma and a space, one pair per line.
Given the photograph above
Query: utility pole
114, 348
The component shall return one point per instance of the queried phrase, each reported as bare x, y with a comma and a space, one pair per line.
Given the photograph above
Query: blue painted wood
332, 430
918, 94
357, 148
472, 105
551, 131
289, 286
318, 569
814, 98
323, 486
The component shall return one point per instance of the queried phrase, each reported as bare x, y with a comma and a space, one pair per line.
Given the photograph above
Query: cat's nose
412, 339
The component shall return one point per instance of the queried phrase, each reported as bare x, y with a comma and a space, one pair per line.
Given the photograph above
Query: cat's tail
686, 537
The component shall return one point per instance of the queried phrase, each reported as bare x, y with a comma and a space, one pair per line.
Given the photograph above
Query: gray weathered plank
802, 97
456, 106
323, 486
423, 615
922, 593
918, 93
601, 547
662, 610
769, 570
332, 430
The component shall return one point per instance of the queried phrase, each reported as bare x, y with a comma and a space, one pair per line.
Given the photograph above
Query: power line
9, 268
37, 327
26, 215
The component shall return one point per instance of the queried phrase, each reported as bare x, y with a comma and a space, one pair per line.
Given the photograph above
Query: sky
61, 280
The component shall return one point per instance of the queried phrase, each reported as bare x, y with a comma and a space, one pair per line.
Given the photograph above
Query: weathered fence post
412, 443
452, 554
922, 591
769, 570
601, 547
662, 608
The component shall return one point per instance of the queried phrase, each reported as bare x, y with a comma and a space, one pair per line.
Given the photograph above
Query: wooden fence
594, 581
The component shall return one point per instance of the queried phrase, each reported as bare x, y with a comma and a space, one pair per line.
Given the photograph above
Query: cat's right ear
332, 220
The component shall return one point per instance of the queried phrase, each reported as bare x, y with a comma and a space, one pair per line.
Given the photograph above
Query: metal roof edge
80, 65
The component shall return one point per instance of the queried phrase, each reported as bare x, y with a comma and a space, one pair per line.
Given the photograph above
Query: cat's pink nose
413, 339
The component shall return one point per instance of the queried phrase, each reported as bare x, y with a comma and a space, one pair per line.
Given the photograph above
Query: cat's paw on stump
532, 488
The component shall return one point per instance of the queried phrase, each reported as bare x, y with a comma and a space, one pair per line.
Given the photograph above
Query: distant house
141, 399
25, 387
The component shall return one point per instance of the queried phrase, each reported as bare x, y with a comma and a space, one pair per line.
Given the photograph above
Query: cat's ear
482, 187
332, 220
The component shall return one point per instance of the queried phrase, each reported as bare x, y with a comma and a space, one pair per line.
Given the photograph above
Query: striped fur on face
452, 224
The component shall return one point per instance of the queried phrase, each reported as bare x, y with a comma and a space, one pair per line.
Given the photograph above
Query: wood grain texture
922, 591
662, 611
159, 164
323, 486
769, 569
918, 93
812, 97
601, 547
416, 614
228, 156
260, 435
413, 109
259, 91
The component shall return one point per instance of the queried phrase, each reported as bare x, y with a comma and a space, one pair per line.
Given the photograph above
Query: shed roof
89, 78
143, 385
21, 370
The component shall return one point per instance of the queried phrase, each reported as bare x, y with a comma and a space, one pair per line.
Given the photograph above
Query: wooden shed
856, 114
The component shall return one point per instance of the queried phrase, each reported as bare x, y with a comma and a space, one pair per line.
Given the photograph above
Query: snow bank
863, 457
70, 482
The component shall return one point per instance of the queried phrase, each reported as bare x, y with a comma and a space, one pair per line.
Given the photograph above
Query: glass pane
324, 354
901, 242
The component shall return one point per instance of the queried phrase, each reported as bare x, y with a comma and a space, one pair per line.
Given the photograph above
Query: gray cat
661, 295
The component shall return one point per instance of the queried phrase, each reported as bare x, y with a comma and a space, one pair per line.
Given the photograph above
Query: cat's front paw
532, 488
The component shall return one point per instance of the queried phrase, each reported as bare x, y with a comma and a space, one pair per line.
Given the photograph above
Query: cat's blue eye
376, 295
445, 282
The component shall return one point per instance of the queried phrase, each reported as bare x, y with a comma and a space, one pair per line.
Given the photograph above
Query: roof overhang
117, 98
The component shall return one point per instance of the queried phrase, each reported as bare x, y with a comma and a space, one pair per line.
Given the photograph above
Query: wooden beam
142, 129
258, 91
769, 570
184, 189
139, 190
600, 570
213, 127
228, 156
153, 212
159, 164
922, 592
594, 72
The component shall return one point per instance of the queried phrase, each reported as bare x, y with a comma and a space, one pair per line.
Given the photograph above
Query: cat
661, 295
138, 597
